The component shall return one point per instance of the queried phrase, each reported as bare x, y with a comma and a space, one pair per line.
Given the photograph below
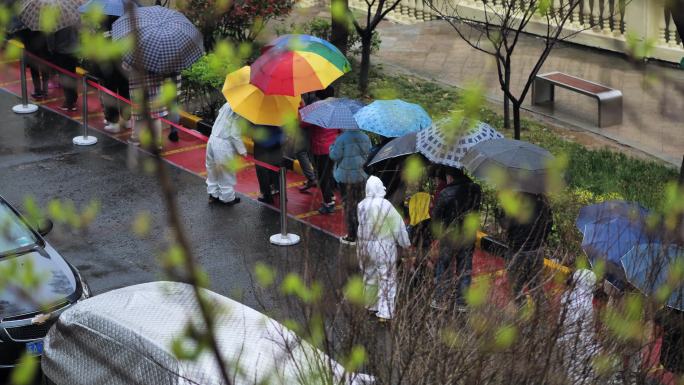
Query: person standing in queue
268, 142
321, 139
225, 140
302, 152
62, 45
459, 198
526, 233
349, 152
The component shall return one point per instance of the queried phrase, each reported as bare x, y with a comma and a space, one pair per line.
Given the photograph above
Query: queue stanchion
284, 238
25, 107
85, 139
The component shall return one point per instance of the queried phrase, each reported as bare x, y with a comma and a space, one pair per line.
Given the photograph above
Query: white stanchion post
284, 238
85, 139
25, 107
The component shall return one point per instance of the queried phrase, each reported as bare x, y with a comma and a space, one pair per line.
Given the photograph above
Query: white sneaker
113, 128
129, 124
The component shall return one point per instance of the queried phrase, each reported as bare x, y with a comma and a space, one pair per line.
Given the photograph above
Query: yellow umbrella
248, 101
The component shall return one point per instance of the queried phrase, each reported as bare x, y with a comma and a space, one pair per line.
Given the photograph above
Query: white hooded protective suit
381, 228
578, 340
224, 142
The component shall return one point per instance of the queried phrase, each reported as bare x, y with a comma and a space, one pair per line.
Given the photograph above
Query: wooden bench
609, 100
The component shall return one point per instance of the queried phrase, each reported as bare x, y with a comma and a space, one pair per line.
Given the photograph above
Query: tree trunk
366, 39
516, 120
339, 34
507, 101
681, 173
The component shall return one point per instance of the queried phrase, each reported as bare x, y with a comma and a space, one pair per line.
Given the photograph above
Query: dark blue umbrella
609, 210
109, 7
332, 113
649, 267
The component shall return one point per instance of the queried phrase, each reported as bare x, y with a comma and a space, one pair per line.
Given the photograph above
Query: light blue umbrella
332, 113
109, 7
648, 266
392, 118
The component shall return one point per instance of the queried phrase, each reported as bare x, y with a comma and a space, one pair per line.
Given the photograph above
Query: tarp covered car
125, 337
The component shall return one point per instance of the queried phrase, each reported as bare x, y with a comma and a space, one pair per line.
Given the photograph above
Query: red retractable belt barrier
113, 94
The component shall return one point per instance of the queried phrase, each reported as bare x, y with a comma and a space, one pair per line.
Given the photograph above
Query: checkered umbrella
108, 7
332, 113
443, 146
392, 118
169, 42
67, 13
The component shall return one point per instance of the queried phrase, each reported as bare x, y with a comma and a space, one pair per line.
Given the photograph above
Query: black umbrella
508, 163
401, 146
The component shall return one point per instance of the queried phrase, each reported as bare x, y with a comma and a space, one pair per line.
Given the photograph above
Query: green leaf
506, 336
414, 170
25, 371
142, 224
477, 294
265, 275
49, 17
356, 358
354, 290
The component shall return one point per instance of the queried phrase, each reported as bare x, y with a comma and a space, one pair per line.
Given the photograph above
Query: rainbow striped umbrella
308, 43
304, 68
250, 102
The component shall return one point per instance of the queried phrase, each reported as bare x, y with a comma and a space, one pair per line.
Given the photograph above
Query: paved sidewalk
653, 120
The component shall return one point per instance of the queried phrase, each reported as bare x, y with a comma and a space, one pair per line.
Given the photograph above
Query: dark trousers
40, 75
267, 178
324, 171
305, 164
69, 84
114, 108
524, 269
352, 194
454, 268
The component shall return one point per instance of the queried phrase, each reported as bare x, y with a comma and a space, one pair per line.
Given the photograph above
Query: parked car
125, 337
28, 311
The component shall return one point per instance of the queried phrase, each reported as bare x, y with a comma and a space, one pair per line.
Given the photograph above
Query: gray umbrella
401, 146
67, 13
170, 43
509, 163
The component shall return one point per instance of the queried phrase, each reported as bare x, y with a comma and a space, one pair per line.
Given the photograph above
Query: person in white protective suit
380, 229
224, 142
578, 337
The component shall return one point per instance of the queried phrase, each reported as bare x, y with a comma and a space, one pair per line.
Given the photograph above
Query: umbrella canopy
392, 118
313, 44
608, 210
169, 42
648, 267
281, 71
397, 147
109, 7
249, 101
509, 163
68, 15
332, 113
436, 145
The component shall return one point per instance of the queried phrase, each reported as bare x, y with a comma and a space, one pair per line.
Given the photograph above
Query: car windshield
14, 234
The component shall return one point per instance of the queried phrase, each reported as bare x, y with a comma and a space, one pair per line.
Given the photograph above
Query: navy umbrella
610, 210
337, 113
169, 42
653, 267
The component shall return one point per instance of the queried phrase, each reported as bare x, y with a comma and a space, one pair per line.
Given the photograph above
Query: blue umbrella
648, 266
332, 113
609, 210
392, 118
109, 7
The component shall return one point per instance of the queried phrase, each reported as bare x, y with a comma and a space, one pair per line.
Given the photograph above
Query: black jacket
454, 203
529, 235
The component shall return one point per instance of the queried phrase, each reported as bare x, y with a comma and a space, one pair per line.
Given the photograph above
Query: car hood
55, 284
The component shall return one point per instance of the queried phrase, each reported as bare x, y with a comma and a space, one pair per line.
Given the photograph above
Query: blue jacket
350, 152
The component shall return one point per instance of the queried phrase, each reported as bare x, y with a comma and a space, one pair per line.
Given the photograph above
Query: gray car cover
124, 337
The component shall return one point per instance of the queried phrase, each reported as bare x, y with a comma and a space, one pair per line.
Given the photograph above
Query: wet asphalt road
37, 158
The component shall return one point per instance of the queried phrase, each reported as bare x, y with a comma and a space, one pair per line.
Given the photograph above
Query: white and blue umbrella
108, 7
650, 267
441, 145
332, 113
169, 42
392, 118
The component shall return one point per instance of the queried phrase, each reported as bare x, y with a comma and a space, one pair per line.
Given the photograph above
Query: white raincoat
578, 340
381, 228
224, 141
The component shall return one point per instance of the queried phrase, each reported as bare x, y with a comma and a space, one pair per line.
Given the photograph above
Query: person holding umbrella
350, 152
459, 198
62, 46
